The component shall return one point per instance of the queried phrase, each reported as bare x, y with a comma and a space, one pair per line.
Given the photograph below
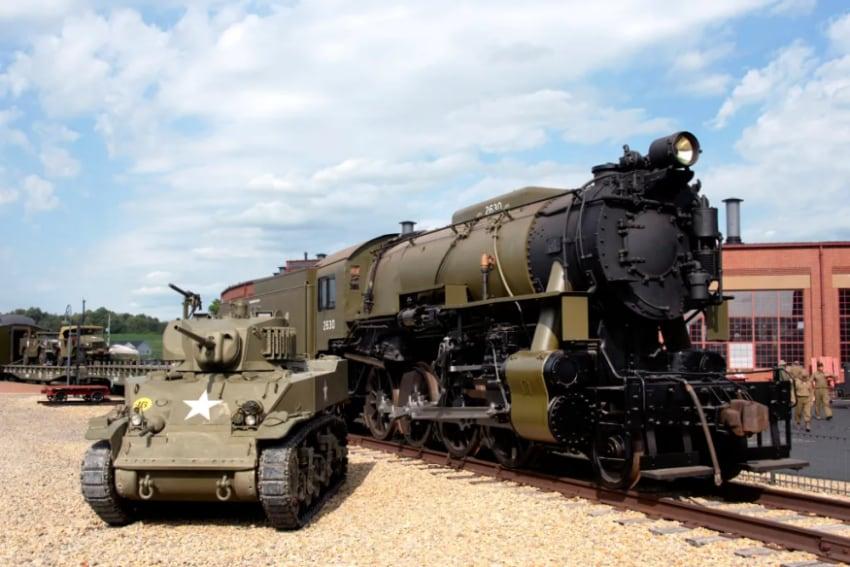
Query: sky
206, 142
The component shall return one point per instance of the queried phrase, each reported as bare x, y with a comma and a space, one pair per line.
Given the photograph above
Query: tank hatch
504, 202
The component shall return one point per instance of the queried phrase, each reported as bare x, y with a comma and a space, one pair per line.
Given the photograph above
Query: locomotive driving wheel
378, 395
417, 432
462, 438
615, 462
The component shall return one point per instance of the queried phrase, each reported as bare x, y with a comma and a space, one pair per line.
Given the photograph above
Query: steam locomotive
549, 319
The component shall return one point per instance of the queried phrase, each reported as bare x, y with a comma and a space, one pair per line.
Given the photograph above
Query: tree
214, 306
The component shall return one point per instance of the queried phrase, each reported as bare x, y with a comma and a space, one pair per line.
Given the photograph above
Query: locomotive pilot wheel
615, 463
378, 393
511, 451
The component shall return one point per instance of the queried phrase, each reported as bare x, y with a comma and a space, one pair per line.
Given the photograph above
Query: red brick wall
240, 291
817, 260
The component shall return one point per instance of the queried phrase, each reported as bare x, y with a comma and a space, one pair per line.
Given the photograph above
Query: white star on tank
201, 406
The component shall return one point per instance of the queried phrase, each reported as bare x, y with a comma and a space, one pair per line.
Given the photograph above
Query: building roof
13, 319
762, 245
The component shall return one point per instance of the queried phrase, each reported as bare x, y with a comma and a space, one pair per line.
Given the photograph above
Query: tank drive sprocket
297, 476
97, 479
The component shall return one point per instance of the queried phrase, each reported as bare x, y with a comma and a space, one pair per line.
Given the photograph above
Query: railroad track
821, 542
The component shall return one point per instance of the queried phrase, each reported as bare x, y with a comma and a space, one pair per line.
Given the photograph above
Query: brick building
792, 302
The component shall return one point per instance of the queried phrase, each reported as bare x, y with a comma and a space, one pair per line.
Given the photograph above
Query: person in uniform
803, 392
820, 381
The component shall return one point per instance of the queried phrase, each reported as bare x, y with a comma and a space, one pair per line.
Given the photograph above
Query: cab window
327, 293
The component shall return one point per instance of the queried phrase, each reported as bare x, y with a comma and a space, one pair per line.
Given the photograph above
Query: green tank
238, 418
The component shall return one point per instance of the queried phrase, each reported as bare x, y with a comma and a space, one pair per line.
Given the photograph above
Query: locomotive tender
549, 319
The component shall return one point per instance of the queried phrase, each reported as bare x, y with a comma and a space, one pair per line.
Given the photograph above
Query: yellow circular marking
142, 404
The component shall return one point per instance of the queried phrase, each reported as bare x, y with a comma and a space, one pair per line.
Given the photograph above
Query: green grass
153, 339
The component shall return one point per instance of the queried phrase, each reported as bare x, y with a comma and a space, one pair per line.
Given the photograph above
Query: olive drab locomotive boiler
557, 319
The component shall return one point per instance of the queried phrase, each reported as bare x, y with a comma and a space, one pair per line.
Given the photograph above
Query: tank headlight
136, 420
678, 150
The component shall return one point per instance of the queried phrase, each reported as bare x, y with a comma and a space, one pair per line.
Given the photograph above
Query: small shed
13, 330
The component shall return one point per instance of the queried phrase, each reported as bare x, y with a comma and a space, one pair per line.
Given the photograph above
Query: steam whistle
191, 301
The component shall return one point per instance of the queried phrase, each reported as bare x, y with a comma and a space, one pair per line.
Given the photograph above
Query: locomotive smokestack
733, 220
407, 226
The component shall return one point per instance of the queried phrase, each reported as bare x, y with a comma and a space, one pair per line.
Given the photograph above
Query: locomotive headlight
136, 420
678, 150
250, 420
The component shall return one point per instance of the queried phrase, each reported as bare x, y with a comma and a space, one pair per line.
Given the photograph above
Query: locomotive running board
768, 465
676, 472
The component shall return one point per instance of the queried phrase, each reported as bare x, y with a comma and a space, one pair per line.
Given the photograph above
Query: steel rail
801, 502
824, 545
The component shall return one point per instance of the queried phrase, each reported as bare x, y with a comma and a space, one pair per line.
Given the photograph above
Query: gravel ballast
391, 511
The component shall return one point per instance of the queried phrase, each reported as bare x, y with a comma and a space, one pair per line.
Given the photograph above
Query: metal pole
68, 316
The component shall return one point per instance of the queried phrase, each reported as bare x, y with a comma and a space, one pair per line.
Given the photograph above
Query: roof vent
407, 227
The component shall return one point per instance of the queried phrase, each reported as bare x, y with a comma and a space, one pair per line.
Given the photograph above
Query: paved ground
826, 447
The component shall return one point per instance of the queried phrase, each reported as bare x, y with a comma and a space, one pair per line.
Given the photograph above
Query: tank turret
233, 417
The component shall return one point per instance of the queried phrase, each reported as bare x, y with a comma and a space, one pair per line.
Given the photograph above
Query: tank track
98, 486
283, 472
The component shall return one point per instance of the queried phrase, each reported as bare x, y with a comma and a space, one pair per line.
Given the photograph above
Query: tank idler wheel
96, 397
616, 466
297, 476
97, 480
510, 450
378, 393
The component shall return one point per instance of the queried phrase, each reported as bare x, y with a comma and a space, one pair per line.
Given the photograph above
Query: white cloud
839, 33
256, 136
791, 172
58, 162
789, 67
39, 194
8, 196
793, 7
10, 134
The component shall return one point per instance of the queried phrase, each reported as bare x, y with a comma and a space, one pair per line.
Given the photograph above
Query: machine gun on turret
191, 301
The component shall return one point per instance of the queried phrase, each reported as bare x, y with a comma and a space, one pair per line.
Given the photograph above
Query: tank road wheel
378, 393
97, 479
511, 451
96, 397
298, 475
616, 465
60, 397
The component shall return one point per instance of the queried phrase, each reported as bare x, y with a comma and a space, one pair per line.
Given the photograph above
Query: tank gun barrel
203, 341
182, 292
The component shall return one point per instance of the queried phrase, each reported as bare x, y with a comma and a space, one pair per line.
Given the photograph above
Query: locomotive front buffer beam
749, 427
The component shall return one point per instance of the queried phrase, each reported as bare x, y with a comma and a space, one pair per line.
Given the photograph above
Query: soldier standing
803, 391
821, 384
